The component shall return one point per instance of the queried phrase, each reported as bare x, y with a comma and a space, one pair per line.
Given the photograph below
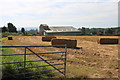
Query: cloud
73, 12
85, 13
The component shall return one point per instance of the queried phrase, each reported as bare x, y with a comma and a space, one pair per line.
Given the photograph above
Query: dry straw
48, 38
69, 43
108, 41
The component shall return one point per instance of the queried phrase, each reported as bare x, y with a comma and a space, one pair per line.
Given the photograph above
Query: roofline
60, 26
62, 31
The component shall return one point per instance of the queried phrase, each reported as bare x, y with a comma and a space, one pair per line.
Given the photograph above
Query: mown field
90, 60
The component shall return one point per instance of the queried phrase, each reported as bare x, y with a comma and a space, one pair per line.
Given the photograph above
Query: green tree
109, 31
23, 30
83, 30
11, 28
4, 29
118, 30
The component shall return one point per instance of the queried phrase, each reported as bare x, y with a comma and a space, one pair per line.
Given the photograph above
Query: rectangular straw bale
109, 41
10, 38
47, 38
69, 43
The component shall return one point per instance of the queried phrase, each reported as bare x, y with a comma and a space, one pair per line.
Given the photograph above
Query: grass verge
10, 72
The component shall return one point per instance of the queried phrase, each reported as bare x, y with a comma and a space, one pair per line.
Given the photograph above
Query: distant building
58, 30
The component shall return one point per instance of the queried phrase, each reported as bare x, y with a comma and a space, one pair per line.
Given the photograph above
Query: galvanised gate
54, 68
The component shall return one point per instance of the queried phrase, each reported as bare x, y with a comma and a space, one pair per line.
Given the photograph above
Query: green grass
6, 34
9, 69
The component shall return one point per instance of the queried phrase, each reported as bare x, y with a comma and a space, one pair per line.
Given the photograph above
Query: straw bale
68, 42
108, 41
10, 38
47, 38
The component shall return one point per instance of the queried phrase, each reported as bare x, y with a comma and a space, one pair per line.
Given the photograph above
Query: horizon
89, 13
29, 28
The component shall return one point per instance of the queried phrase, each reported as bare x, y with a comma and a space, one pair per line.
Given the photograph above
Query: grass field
90, 60
10, 72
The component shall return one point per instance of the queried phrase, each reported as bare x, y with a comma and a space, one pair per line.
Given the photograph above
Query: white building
58, 30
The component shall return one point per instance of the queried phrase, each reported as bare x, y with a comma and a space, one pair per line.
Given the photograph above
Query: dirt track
91, 59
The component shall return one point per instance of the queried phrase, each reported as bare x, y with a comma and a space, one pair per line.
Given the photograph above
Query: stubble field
90, 60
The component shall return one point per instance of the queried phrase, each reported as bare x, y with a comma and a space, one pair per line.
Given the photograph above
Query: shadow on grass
9, 73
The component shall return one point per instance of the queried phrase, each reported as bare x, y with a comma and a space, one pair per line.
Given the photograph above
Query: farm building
58, 30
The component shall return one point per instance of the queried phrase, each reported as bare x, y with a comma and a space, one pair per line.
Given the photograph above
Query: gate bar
41, 66
52, 65
31, 53
45, 60
32, 61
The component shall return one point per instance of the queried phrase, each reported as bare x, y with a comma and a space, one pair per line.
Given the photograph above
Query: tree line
100, 31
11, 29
83, 31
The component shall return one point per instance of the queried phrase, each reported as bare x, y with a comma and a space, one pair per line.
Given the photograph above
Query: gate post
24, 62
65, 60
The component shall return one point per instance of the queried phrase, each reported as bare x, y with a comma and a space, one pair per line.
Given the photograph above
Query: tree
23, 30
118, 30
11, 28
4, 29
83, 30
94, 32
109, 31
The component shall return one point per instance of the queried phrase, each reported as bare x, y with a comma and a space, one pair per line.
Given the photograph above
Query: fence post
65, 60
24, 62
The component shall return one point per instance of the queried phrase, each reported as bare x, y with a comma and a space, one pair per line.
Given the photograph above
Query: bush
5, 34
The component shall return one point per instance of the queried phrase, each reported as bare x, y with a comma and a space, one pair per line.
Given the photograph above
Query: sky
76, 13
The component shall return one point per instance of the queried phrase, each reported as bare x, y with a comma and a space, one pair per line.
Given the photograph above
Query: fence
41, 59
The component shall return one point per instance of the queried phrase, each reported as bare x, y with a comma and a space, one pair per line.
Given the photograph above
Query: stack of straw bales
69, 43
48, 38
108, 41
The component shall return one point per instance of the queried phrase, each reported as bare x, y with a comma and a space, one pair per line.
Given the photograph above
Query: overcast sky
77, 13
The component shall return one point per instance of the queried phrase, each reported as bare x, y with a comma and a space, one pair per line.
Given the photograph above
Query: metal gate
54, 68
